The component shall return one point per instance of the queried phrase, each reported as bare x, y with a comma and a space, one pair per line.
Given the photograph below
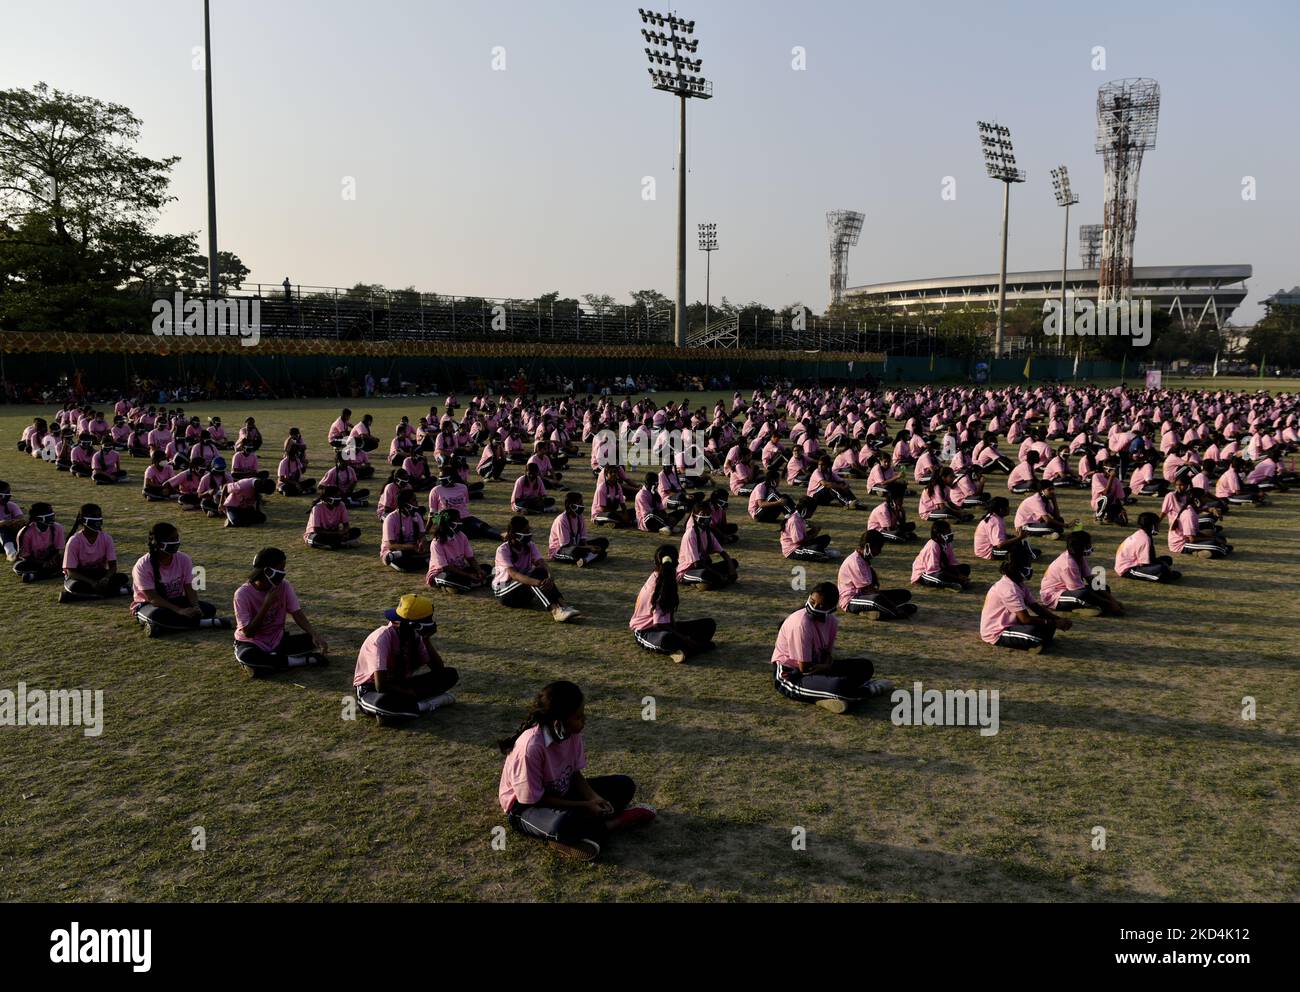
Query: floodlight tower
708, 245
1066, 198
676, 75
845, 228
1000, 163
1128, 111
1090, 245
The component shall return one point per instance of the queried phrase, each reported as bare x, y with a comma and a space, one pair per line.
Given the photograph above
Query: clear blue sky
514, 183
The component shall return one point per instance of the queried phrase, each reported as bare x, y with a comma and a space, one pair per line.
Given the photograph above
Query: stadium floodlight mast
212, 168
673, 71
844, 228
1000, 163
1065, 197
708, 245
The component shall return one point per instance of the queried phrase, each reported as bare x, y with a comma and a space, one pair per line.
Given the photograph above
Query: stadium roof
1191, 274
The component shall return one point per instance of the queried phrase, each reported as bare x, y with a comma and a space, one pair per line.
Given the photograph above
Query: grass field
1133, 725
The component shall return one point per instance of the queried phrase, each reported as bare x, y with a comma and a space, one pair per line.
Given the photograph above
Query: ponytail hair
666, 595
556, 701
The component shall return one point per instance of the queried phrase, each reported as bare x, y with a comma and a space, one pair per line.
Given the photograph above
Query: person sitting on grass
801, 540
569, 541
654, 621
520, 578
403, 546
344, 476
829, 489
90, 561
261, 605
241, 501
106, 465
11, 521
860, 592
543, 791
1011, 617
328, 525
936, 564
1022, 478
452, 565
804, 665
1039, 516
651, 515
157, 486
39, 545
400, 675
1136, 555
889, 519
767, 504
162, 583
609, 504
529, 494
1109, 495
992, 541
1185, 535
699, 545
937, 502
1068, 585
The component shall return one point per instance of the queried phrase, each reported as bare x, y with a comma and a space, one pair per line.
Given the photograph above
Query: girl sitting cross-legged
654, 621
936, 565
859, 586
1068, 585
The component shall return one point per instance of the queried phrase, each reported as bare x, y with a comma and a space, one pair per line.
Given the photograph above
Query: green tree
78, 203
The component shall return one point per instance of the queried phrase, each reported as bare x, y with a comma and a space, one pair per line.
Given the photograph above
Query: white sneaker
438, 702
564, 614
879, 687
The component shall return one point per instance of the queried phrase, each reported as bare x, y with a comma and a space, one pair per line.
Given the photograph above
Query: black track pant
569, 826
426, 685
664, 640
251, 656
162, 620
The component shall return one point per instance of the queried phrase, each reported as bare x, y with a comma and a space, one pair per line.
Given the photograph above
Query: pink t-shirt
539, 764
989, 533
249, 599
176, 578
1004, 600
696, 546
1063, 575
79, 552
1031, 510
932, 559
803, 641
526, 488
881, 518
1136, 549
34, 544
400, 529
506, 558
241, 494
793, 533
646, 503
325, 518
1183, 529
456, 551
855, 575
645, 613
453, 497
565, 531
381, 652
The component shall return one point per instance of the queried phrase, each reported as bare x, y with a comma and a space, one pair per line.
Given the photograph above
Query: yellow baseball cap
413, 609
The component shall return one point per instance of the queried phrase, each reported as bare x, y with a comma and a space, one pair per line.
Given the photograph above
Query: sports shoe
833, 705
65, 597
633, 816
879, 687
583, 850
29, 576
678, 657
11, 555
662, 530
564, 614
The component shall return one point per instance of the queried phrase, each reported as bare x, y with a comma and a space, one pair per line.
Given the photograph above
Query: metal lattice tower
845, 228
1090, 246
1127, 113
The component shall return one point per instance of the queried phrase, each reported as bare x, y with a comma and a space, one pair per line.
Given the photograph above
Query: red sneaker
635, 816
